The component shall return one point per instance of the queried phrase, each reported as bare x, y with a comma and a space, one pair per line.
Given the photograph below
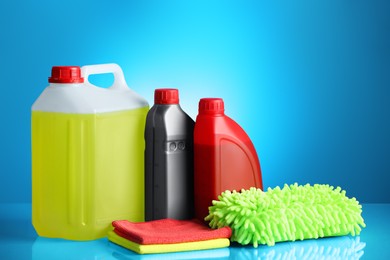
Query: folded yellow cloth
168, 248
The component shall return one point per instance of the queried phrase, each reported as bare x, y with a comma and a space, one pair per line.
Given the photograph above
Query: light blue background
308, 80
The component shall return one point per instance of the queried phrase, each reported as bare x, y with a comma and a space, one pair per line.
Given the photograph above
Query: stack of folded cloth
168, 235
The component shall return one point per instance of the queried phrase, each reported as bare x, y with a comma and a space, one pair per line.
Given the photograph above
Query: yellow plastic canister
87, 154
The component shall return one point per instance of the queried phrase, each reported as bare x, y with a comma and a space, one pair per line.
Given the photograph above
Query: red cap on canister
212, 106
166, 96
66, 74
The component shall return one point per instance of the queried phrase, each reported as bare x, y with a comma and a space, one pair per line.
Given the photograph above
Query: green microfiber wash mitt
288, 214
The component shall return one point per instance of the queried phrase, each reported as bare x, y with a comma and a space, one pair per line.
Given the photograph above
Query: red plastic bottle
224, 156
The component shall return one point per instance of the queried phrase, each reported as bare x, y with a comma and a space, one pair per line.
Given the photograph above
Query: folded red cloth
168, 231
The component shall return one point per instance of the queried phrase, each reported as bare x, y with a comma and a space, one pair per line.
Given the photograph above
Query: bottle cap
166, 96
211, 106
66, 74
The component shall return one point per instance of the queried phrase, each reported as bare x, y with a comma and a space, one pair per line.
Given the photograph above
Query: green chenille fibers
295, 212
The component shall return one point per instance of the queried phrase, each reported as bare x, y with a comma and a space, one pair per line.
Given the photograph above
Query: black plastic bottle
168, 159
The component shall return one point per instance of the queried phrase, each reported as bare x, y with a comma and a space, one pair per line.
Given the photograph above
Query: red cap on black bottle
66, 74
166, 96
211, 106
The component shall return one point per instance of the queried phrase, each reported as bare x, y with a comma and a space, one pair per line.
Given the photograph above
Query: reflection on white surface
121, 253
344, 247
48, 248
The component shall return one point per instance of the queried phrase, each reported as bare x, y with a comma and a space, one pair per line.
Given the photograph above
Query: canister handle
119, 78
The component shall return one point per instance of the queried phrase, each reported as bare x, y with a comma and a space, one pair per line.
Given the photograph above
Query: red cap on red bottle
212, 106
166, 96
66, 74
